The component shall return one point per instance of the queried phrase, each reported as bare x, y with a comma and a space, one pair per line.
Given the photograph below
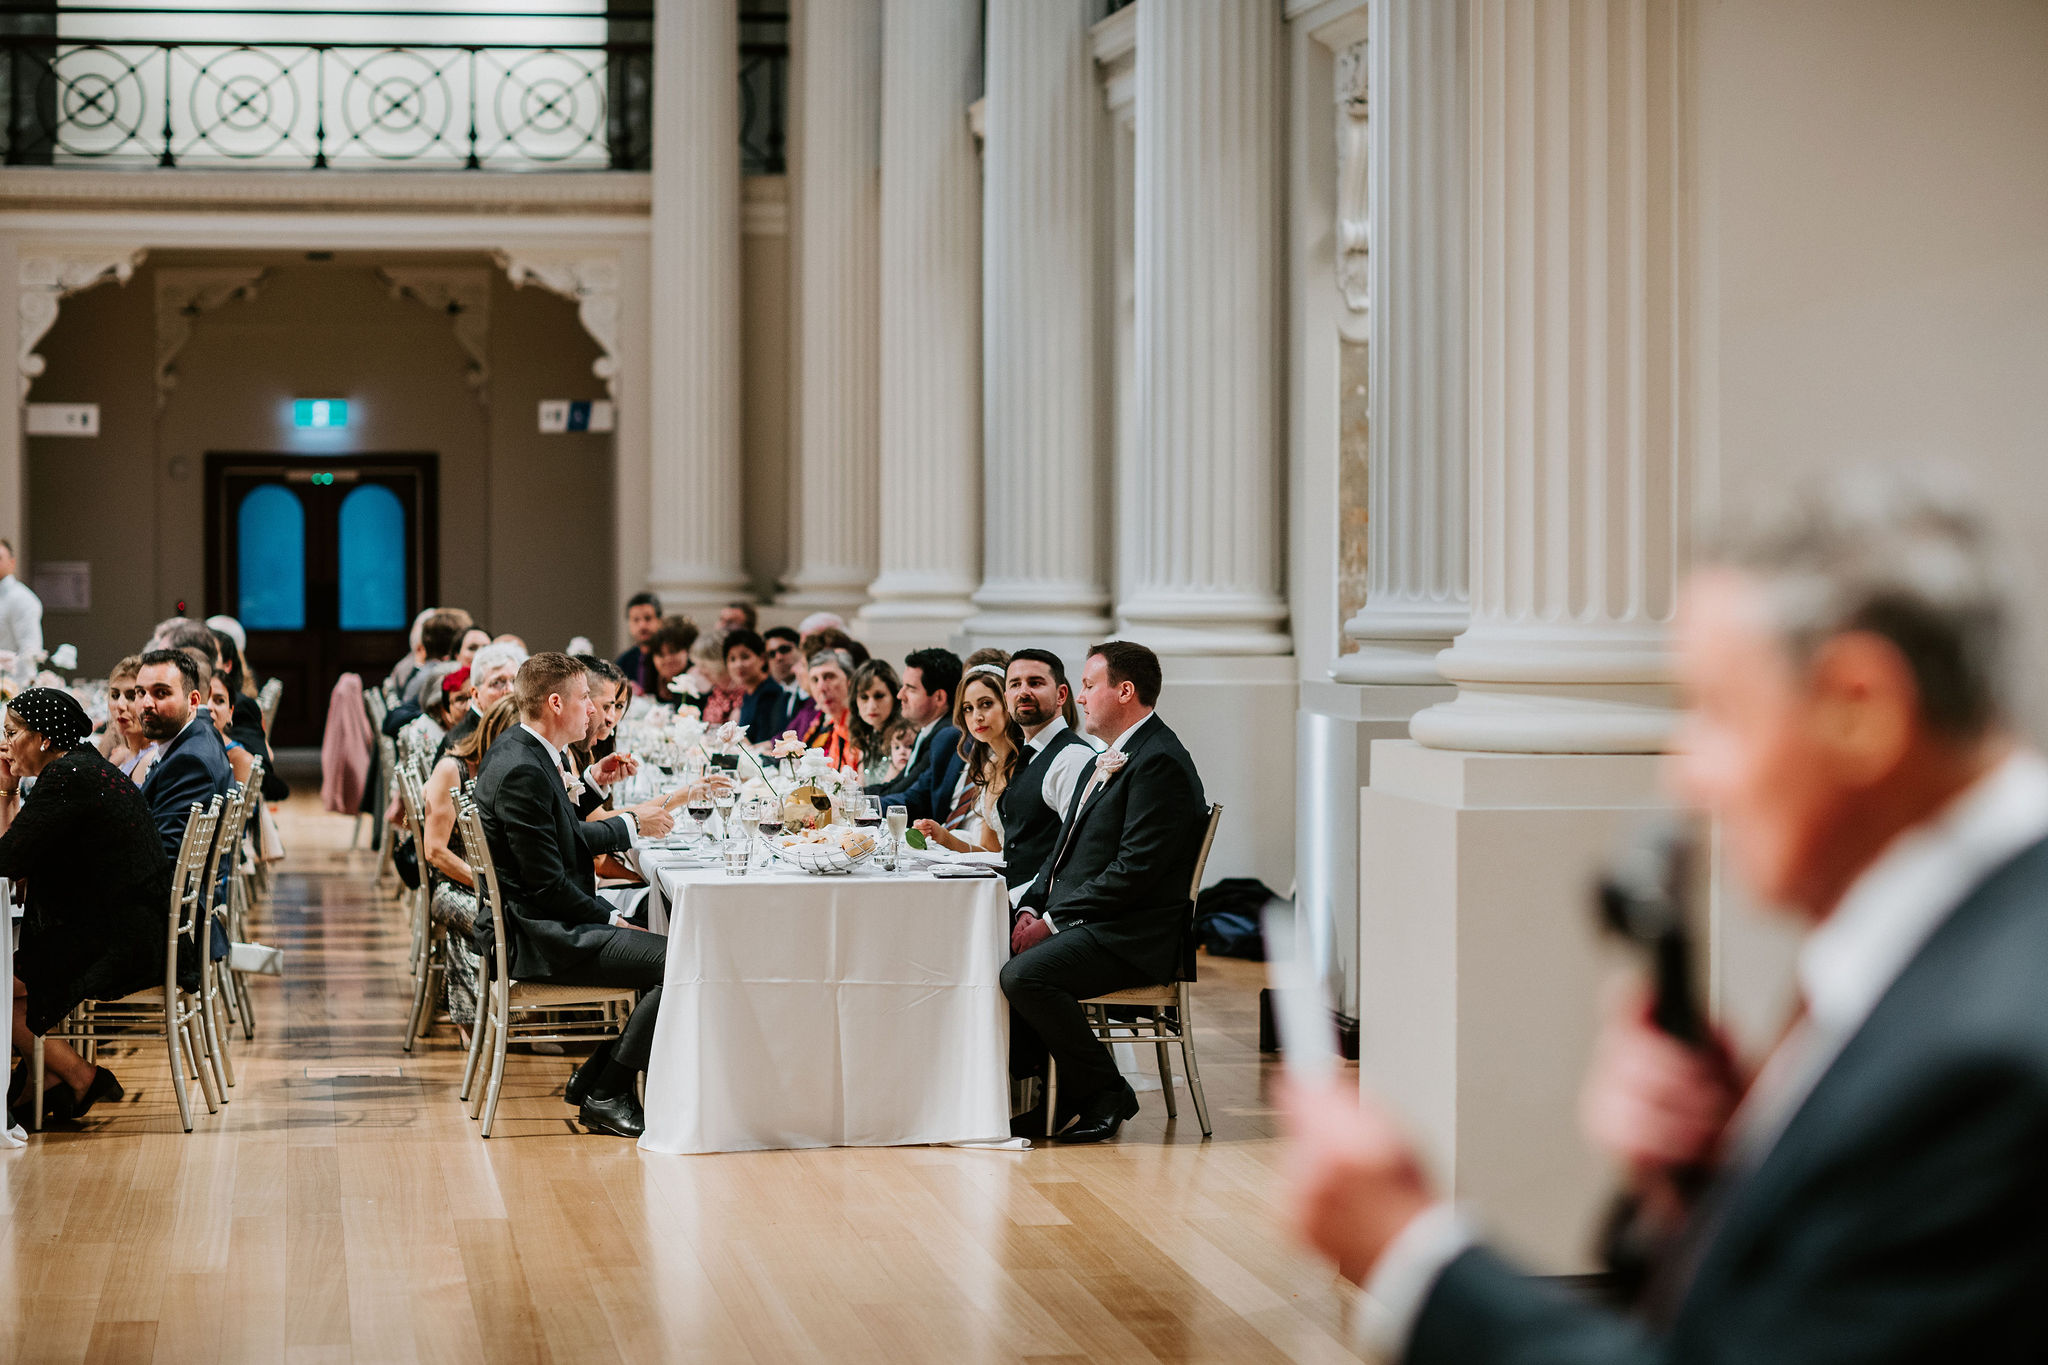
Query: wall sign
64, 584
63, 419
559, 415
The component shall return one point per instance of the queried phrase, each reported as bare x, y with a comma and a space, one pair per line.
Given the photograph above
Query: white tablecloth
855, 1011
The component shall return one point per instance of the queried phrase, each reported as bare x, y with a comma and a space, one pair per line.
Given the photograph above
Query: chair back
188, 887
1187, 951
227, 836
267, 698
412, 806
476, 850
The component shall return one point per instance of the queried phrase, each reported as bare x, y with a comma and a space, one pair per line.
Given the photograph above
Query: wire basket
825, 859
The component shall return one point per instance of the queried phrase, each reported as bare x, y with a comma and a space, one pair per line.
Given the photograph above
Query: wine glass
867, 811
699, 807
750, 822
723, 799
899, 822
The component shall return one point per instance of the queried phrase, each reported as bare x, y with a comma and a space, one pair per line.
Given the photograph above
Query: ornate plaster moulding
484, 194
1354, 194
183, 294
49, 275
589, 278
462, 294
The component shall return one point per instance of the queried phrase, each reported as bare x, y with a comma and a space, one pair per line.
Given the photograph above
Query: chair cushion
1138, 995
547, 993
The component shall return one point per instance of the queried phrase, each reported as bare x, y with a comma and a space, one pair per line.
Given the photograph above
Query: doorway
324, 564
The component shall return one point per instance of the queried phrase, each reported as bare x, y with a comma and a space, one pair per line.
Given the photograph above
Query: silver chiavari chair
168, 1011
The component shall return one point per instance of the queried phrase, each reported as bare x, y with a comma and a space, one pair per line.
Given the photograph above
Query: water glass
738, 858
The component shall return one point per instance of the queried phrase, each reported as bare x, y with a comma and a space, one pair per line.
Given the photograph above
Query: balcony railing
426, 89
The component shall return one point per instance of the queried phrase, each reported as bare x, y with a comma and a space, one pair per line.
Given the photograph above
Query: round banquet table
828, 1011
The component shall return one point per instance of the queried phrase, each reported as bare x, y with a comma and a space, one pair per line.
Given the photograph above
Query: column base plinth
1552, 718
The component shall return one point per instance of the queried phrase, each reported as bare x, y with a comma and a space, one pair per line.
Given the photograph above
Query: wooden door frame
294, 468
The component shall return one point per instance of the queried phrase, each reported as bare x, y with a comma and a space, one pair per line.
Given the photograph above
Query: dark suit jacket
1902, 1215
192, 767
636, 663
1125, 857
925, 787
766, 711
542, 854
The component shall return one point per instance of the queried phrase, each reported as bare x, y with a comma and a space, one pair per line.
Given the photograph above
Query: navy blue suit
766, 711
935, 772
192, 767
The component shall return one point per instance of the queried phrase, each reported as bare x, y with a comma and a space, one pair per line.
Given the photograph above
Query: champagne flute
722, 799
899, 822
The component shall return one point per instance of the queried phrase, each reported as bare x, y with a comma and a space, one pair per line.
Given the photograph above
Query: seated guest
490, 681
452, 883
595, 760
901, 739
560, 931
993, 751
98, 889
221, 708
401, 672
706, 685
931, 679
123, 742
473, 639
192, 765
738, 616
668, 656
783, 653
1055, 759
643, 619
764, 708
1109, 908
440, 637
831, 730
245, 720
875, 710
804, 715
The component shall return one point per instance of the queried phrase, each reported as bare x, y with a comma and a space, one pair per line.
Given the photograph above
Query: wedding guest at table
473, 639
193, 764
595, 759
783, 653
901, 738
440, 638
122, 742
738, 616
643, 619
931, 679
1109, 908
416, 654
876, 709
490, 681
831, 730
560, 930
1056, 758
668, 655
706, 686
764, 708
508, 638
98, 887
221, 708
452, 895
245, 721
992, 749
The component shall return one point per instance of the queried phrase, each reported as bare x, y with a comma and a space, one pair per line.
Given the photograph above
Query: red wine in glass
771, 826
868, 821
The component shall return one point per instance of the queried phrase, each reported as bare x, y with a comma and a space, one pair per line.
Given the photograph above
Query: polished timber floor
325, 1216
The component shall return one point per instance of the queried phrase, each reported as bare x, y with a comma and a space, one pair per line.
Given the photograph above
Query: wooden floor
322, 1217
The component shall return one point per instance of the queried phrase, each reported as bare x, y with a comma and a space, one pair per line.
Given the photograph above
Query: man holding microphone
1877, 1191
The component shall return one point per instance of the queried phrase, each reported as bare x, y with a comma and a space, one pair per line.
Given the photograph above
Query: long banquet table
806, 1011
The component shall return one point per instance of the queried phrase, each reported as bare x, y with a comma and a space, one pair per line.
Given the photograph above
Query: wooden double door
325, 564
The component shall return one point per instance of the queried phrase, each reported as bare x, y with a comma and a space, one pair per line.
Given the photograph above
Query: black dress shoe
103, 1087
585, 1076
619, 1114
1101, 1118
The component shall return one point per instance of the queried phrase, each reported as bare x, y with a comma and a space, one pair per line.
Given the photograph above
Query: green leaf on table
913, 838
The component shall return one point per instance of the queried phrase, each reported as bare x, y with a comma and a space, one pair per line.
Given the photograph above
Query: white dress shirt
21, 619
1062, 775
1844, 968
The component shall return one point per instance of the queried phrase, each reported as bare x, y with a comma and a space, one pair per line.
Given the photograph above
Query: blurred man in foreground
1878, 1191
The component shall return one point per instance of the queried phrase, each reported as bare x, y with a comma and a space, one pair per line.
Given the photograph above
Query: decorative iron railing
427, 89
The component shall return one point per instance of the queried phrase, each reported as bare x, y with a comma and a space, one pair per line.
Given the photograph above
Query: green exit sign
320, 413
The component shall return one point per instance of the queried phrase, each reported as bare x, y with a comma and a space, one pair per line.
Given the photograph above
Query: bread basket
829, 857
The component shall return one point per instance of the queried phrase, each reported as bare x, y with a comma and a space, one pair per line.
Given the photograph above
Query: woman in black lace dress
98, 885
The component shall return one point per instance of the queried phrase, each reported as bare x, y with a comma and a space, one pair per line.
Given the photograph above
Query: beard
157, 725
1027, 712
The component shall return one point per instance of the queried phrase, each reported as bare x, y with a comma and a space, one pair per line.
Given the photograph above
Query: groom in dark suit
1878, 1191
1109, 910
560, 930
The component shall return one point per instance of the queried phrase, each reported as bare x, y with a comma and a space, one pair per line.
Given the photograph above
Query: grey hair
1899, 557
491, 658
838, 657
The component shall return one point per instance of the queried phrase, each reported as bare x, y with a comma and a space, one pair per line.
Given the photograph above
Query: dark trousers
628, 957
1046, 984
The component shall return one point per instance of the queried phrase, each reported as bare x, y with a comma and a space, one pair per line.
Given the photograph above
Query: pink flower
1107, 763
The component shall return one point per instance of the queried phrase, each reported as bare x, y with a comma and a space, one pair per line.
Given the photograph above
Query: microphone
1643, 898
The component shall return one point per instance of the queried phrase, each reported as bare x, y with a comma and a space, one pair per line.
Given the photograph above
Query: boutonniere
1108, 762
573, 786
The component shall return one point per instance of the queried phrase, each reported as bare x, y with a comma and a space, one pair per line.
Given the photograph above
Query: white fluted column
1200, 533
1045, 475
835, 104
1582, 447
694, 481
1413, 78
930, 455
